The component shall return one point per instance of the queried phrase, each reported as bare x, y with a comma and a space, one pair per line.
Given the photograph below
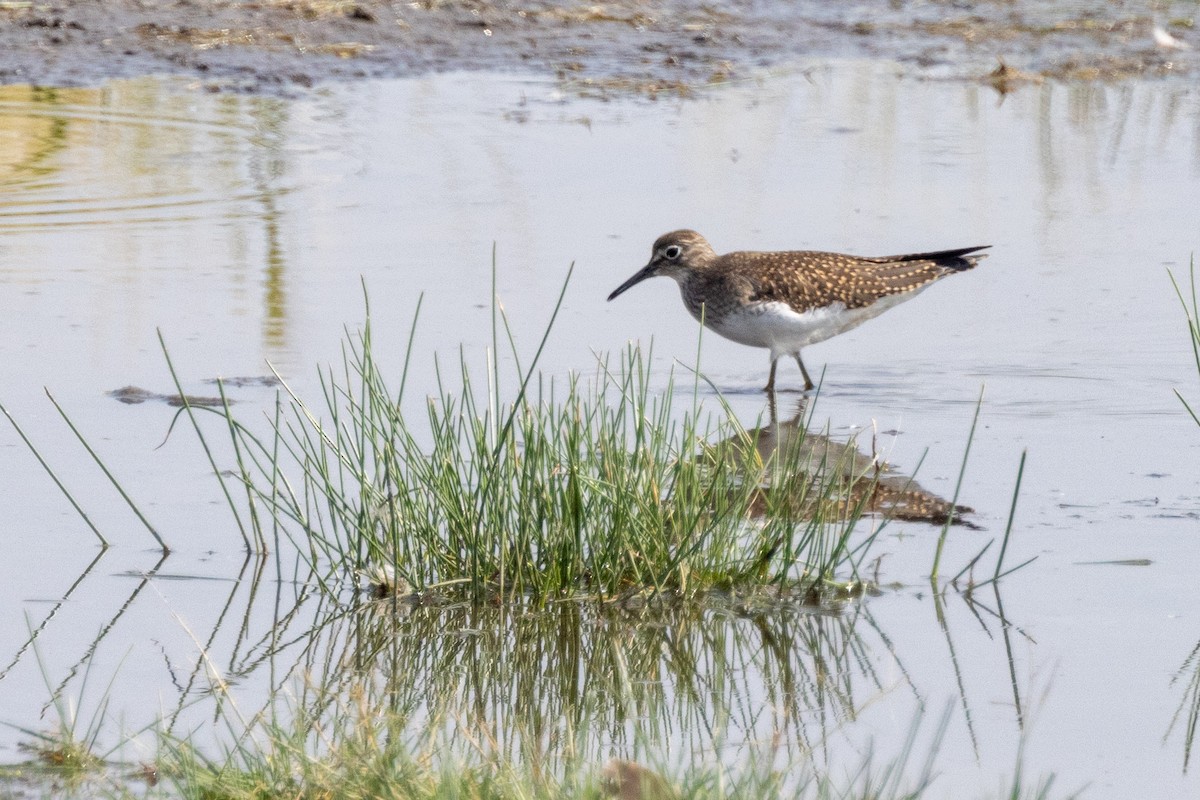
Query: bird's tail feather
957, 260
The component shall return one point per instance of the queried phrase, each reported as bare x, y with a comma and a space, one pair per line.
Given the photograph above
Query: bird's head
677, 255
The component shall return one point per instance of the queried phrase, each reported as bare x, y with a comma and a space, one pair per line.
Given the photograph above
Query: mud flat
598, 48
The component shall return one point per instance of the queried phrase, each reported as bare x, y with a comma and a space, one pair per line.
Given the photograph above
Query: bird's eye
672, 252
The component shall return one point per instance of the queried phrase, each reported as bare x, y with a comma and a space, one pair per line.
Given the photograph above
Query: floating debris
1165, 40
1005, 79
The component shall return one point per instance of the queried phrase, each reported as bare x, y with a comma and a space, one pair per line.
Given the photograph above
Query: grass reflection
740, 694
528, 679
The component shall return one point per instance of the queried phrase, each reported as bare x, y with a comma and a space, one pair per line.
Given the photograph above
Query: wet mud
598, 49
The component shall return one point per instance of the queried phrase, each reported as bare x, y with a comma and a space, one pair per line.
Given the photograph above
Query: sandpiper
785, 300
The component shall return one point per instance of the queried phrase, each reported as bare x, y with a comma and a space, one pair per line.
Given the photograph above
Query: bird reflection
803, 473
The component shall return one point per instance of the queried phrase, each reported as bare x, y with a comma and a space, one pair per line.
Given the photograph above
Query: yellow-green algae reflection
145, 160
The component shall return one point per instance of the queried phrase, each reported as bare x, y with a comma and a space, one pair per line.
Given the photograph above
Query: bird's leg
770, 388
808, 384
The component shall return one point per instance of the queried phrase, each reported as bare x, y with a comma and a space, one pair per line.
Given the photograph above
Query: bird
786, 300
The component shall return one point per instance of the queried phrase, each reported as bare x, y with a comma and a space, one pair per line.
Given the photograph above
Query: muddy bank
597, 48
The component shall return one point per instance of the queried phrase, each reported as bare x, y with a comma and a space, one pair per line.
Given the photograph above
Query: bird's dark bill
639, 276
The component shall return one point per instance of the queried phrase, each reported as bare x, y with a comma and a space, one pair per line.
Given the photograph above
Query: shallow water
241, 226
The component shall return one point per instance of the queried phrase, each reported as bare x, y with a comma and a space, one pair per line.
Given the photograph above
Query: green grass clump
367, 764
595, 488
364, 754
529, 487
68, 754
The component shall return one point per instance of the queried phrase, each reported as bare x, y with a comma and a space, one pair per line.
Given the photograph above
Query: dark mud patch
135, 395
594, 48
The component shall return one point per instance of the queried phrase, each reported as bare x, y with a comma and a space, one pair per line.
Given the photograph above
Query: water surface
244, 229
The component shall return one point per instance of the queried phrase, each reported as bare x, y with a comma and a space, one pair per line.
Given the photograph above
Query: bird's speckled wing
807, 279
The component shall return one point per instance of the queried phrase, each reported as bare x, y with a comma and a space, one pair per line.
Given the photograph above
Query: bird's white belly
783, 330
